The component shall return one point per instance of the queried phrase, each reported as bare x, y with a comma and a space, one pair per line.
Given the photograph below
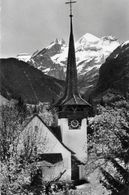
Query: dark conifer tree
22, 109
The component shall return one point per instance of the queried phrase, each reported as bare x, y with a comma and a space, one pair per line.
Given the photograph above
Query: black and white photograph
64, 97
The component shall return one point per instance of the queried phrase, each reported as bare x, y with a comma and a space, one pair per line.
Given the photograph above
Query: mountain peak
60, 42
89, 38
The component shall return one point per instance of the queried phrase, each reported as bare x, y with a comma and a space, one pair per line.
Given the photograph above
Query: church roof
57, 132
72, 100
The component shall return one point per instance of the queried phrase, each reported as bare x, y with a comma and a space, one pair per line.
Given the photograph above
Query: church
63, 149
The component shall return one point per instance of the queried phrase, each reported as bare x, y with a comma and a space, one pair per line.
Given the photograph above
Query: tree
19, 148
119, 182
16, 167
109, 145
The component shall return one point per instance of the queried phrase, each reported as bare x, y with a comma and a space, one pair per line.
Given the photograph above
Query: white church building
63, 149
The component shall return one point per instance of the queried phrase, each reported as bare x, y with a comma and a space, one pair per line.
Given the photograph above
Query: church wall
47, 143
75, 139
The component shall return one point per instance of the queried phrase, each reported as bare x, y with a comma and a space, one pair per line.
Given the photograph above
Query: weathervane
70, 2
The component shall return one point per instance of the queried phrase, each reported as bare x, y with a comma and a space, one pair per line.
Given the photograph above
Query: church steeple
73, 110
71, 95
71, 74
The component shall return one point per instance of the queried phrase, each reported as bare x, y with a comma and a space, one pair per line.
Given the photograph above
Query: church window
36, 128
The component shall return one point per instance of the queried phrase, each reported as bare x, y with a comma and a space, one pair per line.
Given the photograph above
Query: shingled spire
71, 74
71, 95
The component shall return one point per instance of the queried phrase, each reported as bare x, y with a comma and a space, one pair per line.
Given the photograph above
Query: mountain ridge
92, 75
91, 53
20, 80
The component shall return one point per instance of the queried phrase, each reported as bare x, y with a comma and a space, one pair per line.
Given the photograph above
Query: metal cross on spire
70, 2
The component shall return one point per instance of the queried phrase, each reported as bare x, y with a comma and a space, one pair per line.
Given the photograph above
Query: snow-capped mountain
32, 85
23, 57
91, 53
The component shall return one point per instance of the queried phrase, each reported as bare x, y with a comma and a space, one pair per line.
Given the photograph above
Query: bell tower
72, 109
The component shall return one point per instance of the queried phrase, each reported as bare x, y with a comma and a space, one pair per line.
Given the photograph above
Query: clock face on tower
74, 124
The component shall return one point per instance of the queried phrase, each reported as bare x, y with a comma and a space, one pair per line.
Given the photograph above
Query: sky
30, 25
